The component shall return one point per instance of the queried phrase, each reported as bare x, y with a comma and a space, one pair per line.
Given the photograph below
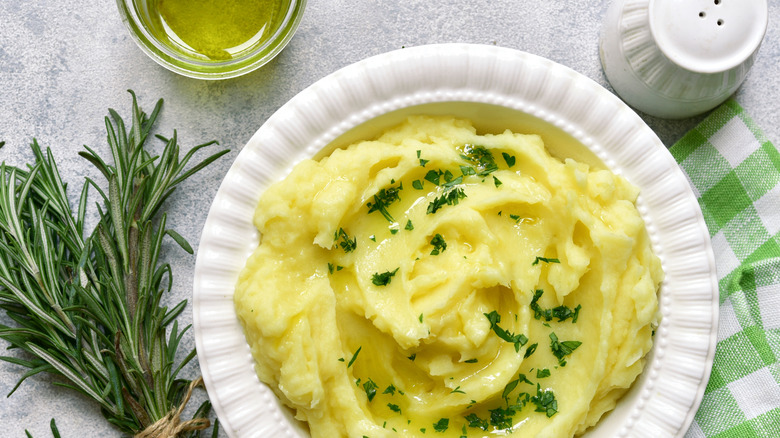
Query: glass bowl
153, 25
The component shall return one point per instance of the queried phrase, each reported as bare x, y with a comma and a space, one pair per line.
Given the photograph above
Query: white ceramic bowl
496, 88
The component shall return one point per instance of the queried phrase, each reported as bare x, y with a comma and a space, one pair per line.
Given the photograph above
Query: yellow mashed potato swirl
439, 282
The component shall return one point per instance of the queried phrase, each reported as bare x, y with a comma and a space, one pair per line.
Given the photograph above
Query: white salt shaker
679, 58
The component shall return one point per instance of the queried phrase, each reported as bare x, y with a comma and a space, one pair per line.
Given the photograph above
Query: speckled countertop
62, 64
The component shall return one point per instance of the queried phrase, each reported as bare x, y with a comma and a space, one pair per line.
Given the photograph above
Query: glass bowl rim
176, 62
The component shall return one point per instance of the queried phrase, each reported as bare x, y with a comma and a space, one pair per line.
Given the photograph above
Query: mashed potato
439, 282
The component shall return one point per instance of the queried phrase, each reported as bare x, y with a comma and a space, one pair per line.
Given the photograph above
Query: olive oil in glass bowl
211, 39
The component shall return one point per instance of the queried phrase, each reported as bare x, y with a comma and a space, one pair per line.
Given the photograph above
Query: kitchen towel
734, 171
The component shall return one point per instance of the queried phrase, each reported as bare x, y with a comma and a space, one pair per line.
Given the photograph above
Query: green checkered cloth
735, 172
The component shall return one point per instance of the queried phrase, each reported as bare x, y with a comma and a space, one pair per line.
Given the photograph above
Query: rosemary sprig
87, 305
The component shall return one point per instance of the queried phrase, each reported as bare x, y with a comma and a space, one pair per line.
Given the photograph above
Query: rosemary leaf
87, 303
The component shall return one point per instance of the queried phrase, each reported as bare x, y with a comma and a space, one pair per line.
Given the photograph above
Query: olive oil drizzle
218, 30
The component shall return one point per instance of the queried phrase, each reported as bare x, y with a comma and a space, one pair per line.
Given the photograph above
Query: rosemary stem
87, 302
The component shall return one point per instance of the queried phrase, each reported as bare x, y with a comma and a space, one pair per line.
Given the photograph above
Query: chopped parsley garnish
443, 178
471, 360
417, 184
530, 350
422, 161
370, 388
545, 401
496, 181
544, 259
450, 197
449, 178
412, 357
512, 385
394, 407
420, 318
383, 198
501, 418
457, 390
384, 278
519, 339
354, 356
409, 226
522, 399
441, 425
433, 176
561, 312
467, 170
510, 159
509, 388
576, 315
542, 373
439, 245
481, 157
347, 244
562, 349
476, 422
389, 390
453, 182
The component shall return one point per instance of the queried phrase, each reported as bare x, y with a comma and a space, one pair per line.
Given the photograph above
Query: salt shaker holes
703, 14
720, 20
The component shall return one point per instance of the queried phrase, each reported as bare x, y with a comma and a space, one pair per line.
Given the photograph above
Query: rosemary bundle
87, 303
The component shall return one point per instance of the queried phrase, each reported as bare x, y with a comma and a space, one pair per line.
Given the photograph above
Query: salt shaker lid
708, 36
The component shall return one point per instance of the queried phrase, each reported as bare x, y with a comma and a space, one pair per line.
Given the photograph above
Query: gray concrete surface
62, 64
